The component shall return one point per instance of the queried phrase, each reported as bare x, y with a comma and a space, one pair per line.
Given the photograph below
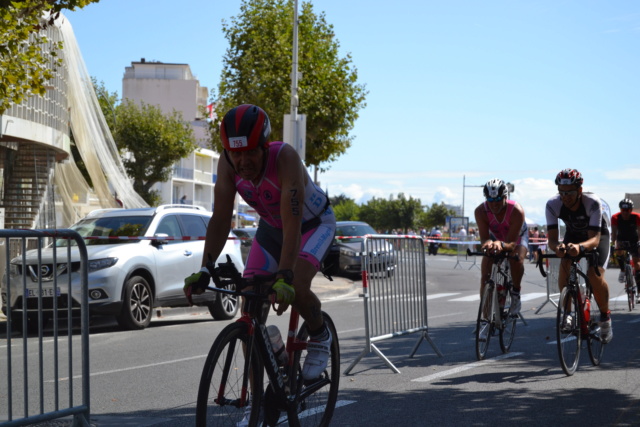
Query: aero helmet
244, 127
569, 177
626, 204
495, 188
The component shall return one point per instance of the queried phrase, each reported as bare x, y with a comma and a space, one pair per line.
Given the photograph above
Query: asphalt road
150, 377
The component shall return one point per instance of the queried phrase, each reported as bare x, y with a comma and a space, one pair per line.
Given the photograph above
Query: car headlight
347, 252
99, 264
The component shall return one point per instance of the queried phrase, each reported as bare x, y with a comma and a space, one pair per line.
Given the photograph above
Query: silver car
344, 255
127, 278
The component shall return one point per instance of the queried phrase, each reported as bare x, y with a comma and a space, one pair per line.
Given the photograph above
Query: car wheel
137, 304
225, 306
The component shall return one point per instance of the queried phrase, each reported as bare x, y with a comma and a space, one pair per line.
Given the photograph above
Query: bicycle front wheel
568, 330
595, 346
316, 399
629, 287
484, 324
508, 331
230, 389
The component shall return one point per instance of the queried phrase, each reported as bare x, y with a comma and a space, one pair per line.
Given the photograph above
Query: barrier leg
425, 336
549, 299
380, 355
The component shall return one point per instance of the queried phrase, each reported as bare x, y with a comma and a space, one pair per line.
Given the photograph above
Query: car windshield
354, 230
109, 227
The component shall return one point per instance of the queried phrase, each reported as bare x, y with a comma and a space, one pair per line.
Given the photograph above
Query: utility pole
294, 131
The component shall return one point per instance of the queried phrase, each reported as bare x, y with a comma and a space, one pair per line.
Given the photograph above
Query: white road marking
443, 295
465, 367
471, 298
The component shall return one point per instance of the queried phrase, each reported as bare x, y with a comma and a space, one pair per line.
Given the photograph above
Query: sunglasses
625, 209
495, 199
568, 193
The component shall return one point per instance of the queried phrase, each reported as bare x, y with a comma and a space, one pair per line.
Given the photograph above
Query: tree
27, 57
437, 214
150, 143
348, 210
407, 211
257, 68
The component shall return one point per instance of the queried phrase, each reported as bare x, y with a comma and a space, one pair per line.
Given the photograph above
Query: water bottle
587, 310
278, 346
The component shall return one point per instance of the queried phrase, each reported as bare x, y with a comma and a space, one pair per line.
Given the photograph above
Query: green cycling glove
196, 283
285, 293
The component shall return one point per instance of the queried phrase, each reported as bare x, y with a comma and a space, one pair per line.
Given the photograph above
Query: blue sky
511, 89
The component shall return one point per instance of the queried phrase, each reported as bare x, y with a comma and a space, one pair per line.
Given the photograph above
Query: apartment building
174, 87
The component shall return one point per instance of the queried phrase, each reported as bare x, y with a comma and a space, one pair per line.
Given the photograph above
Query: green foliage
347, 210
27, 57
257, 68
437, 215
150, 143
399, 213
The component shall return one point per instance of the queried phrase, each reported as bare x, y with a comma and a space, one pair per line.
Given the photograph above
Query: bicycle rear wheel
508, 331
231, 382
316, 399
568, 330
629, 287
595, 346
484, 324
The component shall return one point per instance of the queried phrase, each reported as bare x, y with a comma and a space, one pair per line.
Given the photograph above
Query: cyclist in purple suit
296, 227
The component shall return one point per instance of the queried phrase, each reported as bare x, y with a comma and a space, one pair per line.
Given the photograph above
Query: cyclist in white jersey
586, 230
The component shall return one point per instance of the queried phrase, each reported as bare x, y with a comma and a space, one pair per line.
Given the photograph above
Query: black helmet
244, 127
495, 188
626, 204
569, 177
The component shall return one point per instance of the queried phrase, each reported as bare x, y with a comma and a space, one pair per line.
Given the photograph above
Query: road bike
578, 313
495, 304
629, 273
232, 386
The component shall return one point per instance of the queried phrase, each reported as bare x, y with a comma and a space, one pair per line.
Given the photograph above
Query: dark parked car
246, 236
344, 254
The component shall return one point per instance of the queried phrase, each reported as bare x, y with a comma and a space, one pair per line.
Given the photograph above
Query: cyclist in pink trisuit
502, 227
296, 227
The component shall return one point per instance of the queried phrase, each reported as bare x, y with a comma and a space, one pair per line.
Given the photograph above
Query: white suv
127, 278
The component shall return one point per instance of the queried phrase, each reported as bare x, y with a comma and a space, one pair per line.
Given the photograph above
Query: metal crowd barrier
45, 375
553, 289
394, 287
461, 253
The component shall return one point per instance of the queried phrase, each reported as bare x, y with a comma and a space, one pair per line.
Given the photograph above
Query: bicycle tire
594, 344
569, 339
224, 370
318, 407
629, 285
484, 320
508, 330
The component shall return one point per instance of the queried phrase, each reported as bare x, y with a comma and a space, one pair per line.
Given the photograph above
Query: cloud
532, 190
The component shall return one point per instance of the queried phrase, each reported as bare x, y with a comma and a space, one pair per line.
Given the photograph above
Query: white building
173, 87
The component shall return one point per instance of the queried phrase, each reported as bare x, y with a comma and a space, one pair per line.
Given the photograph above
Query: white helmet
495, 188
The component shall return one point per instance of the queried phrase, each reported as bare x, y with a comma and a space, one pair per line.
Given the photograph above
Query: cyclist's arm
614, 235
552, 239
292, 176
224, 194
515, 228
483, 227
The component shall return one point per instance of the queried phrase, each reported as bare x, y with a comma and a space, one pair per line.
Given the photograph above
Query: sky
459, 92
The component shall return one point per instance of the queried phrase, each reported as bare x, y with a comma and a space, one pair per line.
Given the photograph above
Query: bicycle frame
571, 297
